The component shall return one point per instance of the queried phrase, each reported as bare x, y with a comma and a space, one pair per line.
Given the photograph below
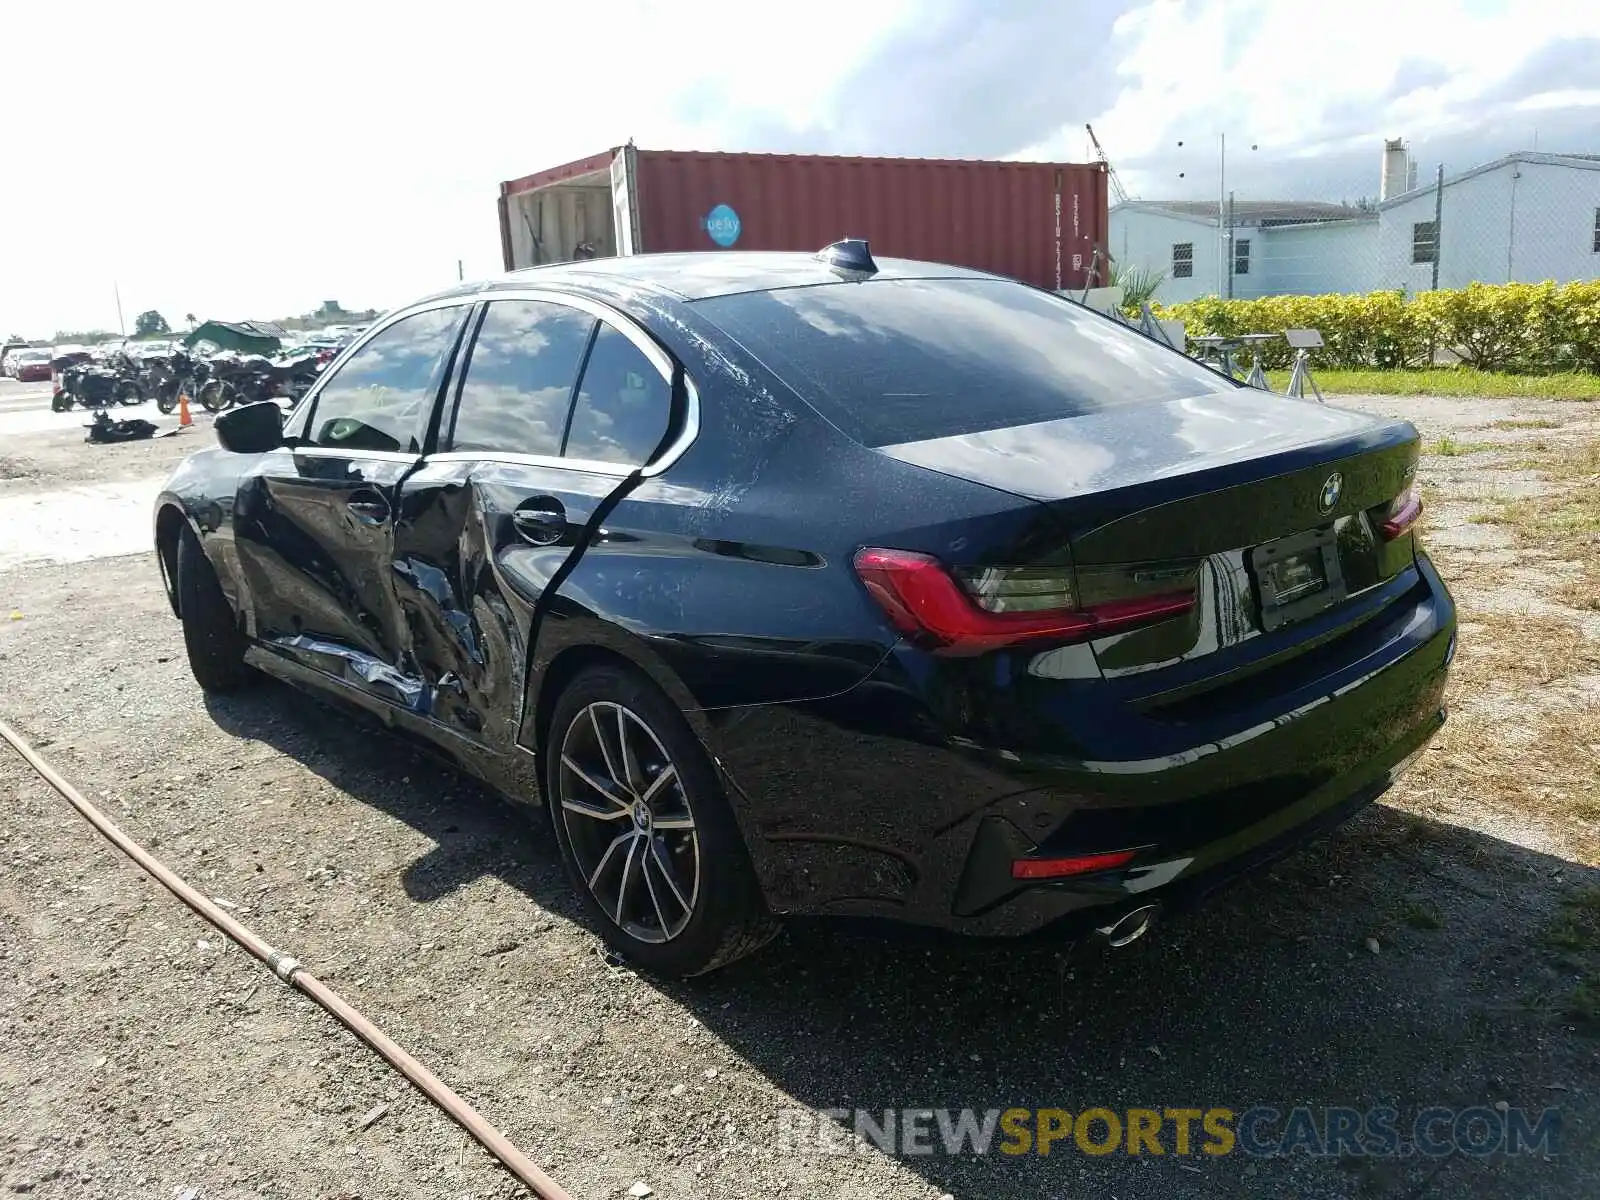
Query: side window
380, 398
623, 405
519, 379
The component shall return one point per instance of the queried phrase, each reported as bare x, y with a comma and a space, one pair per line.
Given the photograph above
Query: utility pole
461, 270
1438, 218
1227, 246
117, 292
1224, 215
1222, 228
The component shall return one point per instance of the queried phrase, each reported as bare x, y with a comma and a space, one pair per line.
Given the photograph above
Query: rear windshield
904, 360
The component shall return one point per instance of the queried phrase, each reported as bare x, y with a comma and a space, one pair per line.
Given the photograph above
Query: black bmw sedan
821, 585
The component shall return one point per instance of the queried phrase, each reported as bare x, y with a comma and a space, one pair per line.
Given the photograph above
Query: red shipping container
1044, 223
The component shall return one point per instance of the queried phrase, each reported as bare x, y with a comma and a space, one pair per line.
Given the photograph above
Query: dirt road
141, 1056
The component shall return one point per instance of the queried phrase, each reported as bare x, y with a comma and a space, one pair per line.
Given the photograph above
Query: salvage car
30, 366
828, 585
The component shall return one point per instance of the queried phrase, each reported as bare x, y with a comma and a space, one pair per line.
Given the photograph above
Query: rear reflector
1401, 514
924, 601
1057, 868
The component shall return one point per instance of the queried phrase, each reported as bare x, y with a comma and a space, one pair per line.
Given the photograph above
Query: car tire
631, 873
211, 634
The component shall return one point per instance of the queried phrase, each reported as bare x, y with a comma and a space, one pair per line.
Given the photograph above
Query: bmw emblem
1332, 489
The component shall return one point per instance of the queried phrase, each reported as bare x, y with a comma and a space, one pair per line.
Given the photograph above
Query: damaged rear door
556, 406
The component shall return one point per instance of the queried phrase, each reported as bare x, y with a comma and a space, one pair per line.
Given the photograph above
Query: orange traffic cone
183, 410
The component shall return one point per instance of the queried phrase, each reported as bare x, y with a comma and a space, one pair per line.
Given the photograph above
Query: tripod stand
1303, 341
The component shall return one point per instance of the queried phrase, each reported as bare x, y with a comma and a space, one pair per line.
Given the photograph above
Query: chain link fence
1526, 218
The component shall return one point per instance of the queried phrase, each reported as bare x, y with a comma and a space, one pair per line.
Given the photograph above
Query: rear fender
569, 639
569, 636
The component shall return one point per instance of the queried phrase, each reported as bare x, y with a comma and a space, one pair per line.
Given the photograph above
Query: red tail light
1401, 514
1056, 868
924, 601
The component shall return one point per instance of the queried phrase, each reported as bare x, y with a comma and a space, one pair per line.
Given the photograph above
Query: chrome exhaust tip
1129, 927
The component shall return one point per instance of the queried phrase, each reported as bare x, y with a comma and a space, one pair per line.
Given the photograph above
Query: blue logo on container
722, 223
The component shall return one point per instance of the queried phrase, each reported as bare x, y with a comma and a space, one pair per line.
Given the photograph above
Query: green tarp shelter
245, 337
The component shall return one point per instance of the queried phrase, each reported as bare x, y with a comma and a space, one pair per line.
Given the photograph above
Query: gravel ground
34, 459
141, 1056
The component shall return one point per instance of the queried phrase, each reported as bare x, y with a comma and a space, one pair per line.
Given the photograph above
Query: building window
1425, 241
1182, 260
1241, 256
1597, 231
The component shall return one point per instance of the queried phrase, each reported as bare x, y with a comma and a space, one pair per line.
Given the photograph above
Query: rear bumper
863, 806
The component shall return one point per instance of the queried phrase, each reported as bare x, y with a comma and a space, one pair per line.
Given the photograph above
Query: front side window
1241, 256
1182, 260
380, 398
519, 379
623, 405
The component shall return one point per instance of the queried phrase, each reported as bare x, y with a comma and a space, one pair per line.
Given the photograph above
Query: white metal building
1277, 247
1525, 217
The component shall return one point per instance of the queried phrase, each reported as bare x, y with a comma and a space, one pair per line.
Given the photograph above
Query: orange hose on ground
291, 972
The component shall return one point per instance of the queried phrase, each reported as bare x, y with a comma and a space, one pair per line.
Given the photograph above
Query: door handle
368, 507
541, 522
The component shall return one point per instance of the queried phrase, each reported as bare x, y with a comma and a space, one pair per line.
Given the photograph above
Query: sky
237, 161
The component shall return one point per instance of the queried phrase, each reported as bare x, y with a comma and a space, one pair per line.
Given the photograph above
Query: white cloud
236, 160
1302, 80
245, 160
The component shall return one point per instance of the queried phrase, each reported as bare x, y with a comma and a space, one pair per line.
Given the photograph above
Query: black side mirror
251, 428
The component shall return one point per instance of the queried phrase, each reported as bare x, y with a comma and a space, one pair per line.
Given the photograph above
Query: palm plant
1138, 284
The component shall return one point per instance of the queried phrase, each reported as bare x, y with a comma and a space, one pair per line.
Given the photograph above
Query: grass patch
1451, 381
1545, 519
1575, 937
1420, 916
1582, 593
1523, 741
1514, 698
1576, 929
1499, 650
1584, 1003
1566, 520
1448, 447
1530, 423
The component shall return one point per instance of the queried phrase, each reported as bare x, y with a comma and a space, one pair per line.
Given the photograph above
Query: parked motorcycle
251, 378
292, 376
80, 380
170, 376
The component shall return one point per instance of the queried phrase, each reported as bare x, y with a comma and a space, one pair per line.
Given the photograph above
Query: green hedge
1528, 327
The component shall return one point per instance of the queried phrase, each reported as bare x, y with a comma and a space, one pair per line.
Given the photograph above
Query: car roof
701, 275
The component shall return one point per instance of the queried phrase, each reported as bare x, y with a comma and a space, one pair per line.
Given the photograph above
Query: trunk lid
1209, 492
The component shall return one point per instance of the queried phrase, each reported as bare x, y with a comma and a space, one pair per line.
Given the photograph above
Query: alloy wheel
628, 821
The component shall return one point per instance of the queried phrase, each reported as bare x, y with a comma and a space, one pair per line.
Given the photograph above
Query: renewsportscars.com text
1261, 1131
